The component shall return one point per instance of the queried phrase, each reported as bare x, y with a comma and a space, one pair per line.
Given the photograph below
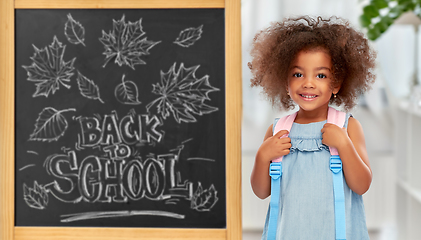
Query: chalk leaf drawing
36, 197
125, 43
49, 70
127, 93
204, 200
88, 88
182, 94
74, 31
189, 36
50, 125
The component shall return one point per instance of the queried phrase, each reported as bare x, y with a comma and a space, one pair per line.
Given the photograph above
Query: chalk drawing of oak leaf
74, 31
125, 43
182, 94
48, 69
50, 125
189, 36
36, 197
204, 200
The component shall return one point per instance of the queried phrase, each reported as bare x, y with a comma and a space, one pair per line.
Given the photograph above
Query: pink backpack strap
338, 118
284, 123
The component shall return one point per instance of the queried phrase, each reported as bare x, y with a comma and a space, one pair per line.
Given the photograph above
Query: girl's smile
308, 97
310, 80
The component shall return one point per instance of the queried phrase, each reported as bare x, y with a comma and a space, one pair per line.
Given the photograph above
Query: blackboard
120, 118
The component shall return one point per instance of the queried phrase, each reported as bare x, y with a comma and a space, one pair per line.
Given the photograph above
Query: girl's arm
271, 148
353, 153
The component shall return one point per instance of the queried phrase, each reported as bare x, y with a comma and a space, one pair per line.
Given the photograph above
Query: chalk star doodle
125, 43
182, 94
48, 69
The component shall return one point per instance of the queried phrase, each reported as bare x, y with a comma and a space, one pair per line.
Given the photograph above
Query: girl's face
310, 80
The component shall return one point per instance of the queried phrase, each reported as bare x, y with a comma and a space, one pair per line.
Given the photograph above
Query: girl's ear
336, 89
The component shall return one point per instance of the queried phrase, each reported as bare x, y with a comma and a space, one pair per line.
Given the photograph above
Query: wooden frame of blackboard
7, 121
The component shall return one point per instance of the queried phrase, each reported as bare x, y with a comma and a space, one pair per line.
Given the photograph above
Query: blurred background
390, 112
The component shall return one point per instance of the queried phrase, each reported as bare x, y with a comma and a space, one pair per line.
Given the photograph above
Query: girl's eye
297, 75
321, 76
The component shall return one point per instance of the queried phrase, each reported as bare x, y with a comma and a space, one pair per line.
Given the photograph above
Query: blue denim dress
306, 208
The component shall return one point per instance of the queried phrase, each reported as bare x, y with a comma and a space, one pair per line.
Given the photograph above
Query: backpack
275, 171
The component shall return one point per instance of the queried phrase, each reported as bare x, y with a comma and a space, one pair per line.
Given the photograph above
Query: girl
313, 63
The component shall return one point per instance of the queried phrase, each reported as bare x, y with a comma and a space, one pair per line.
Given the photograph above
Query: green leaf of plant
371, 11
379, 3
365, 21
373, 33
409, 6
387, 20
400, 2
382, 26
395, 12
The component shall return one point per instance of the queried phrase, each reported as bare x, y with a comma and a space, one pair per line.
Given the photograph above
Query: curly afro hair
274, 48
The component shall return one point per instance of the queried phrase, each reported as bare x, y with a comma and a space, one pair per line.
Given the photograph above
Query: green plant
378, 15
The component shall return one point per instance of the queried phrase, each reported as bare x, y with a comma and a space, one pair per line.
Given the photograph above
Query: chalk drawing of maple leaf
48, 69
182, 94
125, 43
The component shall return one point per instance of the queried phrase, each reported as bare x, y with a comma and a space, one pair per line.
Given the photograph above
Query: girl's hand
350, 144
275, 146
334, 136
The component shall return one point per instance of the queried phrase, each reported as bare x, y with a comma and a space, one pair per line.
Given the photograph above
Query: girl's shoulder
354, 126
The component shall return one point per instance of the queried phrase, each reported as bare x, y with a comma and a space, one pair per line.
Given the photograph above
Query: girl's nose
308, 83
